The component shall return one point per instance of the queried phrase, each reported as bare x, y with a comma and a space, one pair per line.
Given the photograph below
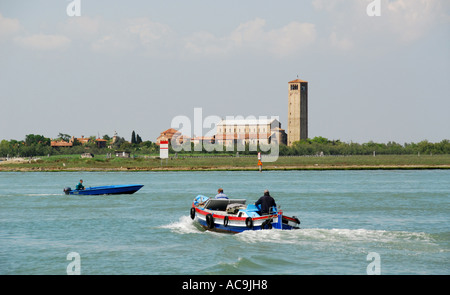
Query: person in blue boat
266, 202
220, 194
80, 185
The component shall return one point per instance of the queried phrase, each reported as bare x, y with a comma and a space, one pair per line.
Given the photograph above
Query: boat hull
107, 190
225, 223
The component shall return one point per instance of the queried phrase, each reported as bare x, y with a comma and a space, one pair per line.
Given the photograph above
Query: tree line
38, 145
321, 145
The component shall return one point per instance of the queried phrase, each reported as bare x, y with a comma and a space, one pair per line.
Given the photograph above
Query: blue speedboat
234, 216
105, 190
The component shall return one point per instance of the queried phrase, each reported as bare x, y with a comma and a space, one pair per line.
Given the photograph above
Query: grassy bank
101, 163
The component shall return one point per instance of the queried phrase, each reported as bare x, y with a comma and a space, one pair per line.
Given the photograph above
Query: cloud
251, 36
340, 43
149, 38
112, 43
291, 39
43, 42
412, 19
144, 35
82, 27
124, 36
8, 26
401, 22
131, 34
12, 29
147, 31
205, 43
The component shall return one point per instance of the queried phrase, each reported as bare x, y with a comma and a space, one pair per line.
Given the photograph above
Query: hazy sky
135, 65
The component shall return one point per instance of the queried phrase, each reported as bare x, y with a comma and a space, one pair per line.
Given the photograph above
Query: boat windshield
221, 204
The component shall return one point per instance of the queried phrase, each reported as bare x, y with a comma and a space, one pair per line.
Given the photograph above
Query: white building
250, 131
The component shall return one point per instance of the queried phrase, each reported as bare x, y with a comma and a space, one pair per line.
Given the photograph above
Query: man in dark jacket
266, 203
80, 185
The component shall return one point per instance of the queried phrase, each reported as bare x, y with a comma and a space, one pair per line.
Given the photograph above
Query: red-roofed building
61, 143
82, 140
170, 134
101, 143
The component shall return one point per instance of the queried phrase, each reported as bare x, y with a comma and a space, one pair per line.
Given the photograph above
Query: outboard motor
67, 190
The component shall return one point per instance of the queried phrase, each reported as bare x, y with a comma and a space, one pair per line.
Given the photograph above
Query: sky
136, 65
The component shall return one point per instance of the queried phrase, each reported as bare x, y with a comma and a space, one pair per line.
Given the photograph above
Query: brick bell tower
297, 111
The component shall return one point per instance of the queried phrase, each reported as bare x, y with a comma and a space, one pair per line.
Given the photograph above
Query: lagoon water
402, 216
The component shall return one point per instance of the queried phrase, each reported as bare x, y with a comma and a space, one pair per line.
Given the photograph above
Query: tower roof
297, 81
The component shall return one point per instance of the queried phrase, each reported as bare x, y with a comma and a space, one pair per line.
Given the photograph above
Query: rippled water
403, 216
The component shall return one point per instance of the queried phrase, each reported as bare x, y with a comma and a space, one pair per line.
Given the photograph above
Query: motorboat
234, 216
105, 190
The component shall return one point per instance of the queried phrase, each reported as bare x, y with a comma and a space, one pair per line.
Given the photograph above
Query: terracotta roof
83, 140
170, 131
61, 143
297, 81
169, 134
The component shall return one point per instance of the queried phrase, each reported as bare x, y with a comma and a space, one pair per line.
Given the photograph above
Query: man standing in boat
80, 185
220, 194
266, 202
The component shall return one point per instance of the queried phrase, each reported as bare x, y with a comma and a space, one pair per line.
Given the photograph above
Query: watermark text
374, 267
234, 133
374, 8
74, 8
74, 267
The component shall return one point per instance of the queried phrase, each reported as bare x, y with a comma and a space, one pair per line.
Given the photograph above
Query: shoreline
226, 168
103, 164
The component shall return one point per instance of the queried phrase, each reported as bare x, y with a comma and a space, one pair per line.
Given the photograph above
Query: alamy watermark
374, 8
234, 133
74, 8
74, 267
374, 267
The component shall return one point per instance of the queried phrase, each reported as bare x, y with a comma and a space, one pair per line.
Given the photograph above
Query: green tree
32, 139
6, 148
65, 137
133, 137
118, 142
320, 139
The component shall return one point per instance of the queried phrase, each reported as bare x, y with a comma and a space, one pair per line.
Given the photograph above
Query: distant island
39, 145
35, 153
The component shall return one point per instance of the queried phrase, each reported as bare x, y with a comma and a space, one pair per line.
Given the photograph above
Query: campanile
297, 111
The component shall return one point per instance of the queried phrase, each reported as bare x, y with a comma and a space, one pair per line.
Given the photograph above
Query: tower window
294, 86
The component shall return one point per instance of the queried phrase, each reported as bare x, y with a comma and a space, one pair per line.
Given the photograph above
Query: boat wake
42, 195
185, 225
30, 195
317, 236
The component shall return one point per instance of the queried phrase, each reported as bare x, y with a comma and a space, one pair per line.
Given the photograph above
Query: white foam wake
333, 235
185, 225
